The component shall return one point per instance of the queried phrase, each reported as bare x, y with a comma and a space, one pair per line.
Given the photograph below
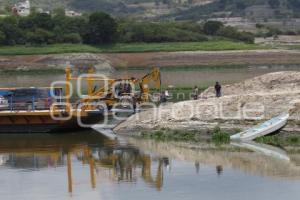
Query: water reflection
88, 163
119, 163
246, 157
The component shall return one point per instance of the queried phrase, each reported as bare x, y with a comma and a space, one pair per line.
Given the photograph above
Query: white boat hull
266, 128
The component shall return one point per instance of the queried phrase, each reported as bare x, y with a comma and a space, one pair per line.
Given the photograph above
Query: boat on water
265, 128
51, 110
29, 110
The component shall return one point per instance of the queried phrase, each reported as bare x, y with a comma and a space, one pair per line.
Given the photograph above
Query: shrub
2, 38
220, 137
73, 38
212, 27
232, 33
40, 36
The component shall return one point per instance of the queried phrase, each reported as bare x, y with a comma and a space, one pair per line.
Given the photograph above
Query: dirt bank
127, 60
251, 57
56, 61
242, 105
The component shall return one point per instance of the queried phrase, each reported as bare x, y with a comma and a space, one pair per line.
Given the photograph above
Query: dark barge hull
45, 124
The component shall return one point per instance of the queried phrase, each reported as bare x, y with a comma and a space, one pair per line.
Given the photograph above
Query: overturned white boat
265, 128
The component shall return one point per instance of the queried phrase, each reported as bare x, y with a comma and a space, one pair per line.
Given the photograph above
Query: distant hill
251, 9
177, 9
145, 8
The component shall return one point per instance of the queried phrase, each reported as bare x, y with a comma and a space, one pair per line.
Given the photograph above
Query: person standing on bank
196, 92
218, 89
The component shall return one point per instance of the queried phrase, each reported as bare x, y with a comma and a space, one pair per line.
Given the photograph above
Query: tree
274, 3
73, 38
102, 29
2, 38
40, 36
59, 12
212, 27
43, 21
13, 34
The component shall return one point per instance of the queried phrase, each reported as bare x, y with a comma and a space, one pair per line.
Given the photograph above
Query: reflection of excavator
121, 163
116, 90
146, 173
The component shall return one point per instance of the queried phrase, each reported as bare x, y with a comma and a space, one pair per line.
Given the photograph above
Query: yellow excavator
118, 90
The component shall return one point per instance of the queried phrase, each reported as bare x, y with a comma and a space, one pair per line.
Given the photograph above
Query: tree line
100, 28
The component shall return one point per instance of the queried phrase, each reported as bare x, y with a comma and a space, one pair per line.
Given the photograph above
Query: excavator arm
95, 94
154, 76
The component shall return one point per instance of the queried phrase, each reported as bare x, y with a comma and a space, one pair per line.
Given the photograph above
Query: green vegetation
13, 72
170, 135
108, 34
294, 47
126, 47
220, 137
278, 140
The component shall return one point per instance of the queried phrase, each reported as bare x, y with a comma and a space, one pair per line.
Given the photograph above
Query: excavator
120, 90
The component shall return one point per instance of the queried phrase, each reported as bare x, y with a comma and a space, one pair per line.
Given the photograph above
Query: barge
45, 110
50, 110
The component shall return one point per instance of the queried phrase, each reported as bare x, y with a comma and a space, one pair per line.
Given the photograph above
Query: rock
242, 105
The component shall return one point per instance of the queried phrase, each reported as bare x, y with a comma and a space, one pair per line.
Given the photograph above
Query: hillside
252, 9
145, 8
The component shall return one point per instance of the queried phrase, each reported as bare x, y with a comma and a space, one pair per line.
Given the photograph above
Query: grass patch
276, 140
220, 137
292, 47
128, 47
11, 72
167, 68
170, 135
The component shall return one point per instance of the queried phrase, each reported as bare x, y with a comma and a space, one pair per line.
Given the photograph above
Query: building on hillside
22, 8
71, 13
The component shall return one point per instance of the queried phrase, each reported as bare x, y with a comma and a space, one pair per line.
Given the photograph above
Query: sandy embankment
242, 105
127, 60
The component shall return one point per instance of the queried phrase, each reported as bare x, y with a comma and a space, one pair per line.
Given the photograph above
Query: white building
71, 13
22, 8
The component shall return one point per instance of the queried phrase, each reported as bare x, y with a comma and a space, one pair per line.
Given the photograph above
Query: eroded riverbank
150, 59
242, 105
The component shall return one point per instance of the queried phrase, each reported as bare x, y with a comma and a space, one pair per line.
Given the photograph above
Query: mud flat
241, 106
53, 62
200, 58
150, 59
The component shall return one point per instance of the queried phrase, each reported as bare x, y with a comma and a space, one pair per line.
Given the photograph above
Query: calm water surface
89, 166
181, 77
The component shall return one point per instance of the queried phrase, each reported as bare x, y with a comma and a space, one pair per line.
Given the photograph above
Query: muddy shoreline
142, 60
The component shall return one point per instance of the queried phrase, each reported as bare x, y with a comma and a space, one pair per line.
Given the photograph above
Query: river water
89, 166
178, 77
